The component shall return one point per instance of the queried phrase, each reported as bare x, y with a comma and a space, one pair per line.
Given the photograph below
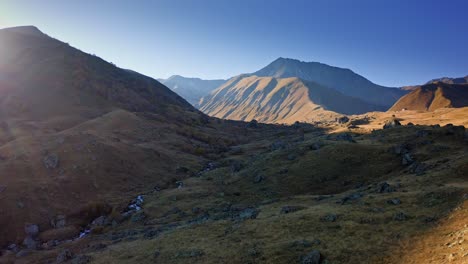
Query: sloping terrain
343, 80
430, 97
378, 197
67, 136
191, 89
103, 165
279, 100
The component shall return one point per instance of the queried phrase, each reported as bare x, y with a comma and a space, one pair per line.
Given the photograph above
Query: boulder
30, 243
312, 258
394, 201
31, 230
385, 188
342, 120
392, 123
329, 218
51, 161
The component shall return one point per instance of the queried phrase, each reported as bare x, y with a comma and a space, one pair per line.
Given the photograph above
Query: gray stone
30, 243
400, 216
385, 188
31, 230
258, 178
51, 161
312, 258
394, 201
248, 213
59, 221
329, 218
406, 159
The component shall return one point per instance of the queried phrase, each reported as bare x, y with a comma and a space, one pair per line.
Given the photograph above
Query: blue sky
393, 43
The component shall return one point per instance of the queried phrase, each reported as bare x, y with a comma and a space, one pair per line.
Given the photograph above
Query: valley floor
279, 194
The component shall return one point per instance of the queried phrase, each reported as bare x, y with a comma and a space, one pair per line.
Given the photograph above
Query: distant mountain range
282, 100
340, 79
461, 80
289, 90
191, 89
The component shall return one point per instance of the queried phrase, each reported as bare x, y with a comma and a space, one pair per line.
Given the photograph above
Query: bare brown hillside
430, 97
279, 100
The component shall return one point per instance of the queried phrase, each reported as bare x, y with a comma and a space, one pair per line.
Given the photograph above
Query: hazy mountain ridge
460, 80
191, 89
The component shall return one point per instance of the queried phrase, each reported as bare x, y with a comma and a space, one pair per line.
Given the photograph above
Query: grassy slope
364, 232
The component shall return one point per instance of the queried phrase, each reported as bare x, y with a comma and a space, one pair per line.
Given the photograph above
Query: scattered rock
406, 159
58, 222
64, 256
291, 209
391, 123
342, 120
258, 178
51, 161
315, 146
248, 213
400, 216
385, 188
31, 230
418, 168
236, 165
179, 184
329, 218
30, 243
394, 201
312, 258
